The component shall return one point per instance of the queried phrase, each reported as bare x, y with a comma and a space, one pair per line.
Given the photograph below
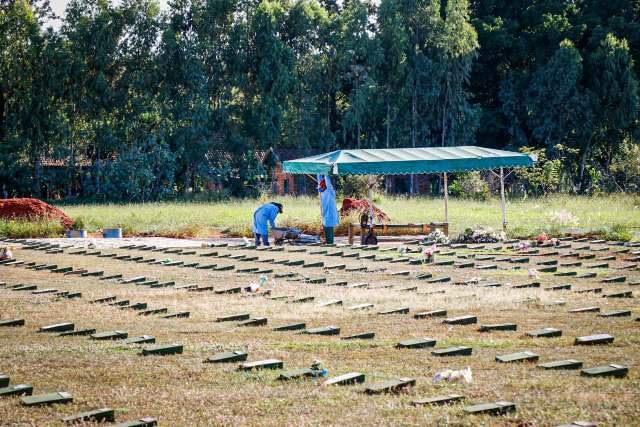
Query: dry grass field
181, 390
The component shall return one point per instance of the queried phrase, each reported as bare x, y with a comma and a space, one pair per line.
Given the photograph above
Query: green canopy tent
408, 161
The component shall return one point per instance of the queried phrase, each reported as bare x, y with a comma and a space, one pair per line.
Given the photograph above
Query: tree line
128, 101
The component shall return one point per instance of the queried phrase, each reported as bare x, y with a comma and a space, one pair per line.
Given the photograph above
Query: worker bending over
263, 218
328, 207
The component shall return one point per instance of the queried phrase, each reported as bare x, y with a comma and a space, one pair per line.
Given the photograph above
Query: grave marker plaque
439, 400
227, 357
177, 315
256, 321
545, 333
290, 327
453, 351
346, 379
402, 310
47, 399
524, 356
144, 339
234, 317
417, 343
616, 313
594, 339
328, 330
360, 336
162, 350
585, 310
112, 335
78, 333
461, 320
500, 407
96, 416
17, 390
58, 327
612, 370
390, 386
12, 322
562, 364
262, 364
498, 327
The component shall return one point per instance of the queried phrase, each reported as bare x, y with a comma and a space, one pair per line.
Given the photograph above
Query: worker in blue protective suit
328, 208
263, 218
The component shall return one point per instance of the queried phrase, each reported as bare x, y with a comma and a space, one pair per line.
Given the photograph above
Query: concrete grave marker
301, 300
616, 313
500, 407
571, 264
498, 327
612, 370
390, 386
256, 321
330, 303
143, 339
585, 310
439, 400
567, 274
4, 381
290, 327
564, 287
461, 320
120, 303
588, 275
402, 310
227, 357
17, 390
162, 350
590, 290
136, 306
545, 333
562, 364
176, 315
47, 399
112, 335
346, 379
439, 280
103, 300
96, 416
328, 330
111, 277
433, 313
44, 291
153, 311
12, 322
527, 285
424, 276
58, 327
417, 343
234, 317
622, 294
524, 356
234, 290
360, 307
262, 364
453, 351
360, 336
78, 332
594, 339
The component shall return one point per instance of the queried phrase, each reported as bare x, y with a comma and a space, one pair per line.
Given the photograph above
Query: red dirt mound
355, 205
32, 209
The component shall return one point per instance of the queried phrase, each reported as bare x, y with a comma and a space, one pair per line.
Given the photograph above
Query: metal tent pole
446, 199
502, 202
371, 181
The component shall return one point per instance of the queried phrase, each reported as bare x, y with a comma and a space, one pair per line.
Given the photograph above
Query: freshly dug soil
32, 209
360, 206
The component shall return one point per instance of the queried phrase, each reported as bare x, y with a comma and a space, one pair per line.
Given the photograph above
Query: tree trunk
388, 118
414, 129
583, 164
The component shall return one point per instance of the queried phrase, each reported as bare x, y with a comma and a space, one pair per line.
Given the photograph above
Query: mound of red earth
32, 209
361, 206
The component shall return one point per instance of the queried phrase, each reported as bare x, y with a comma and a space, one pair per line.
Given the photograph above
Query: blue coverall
328, 208
264, 217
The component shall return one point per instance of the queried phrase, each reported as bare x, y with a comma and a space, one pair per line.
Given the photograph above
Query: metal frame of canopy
409, 161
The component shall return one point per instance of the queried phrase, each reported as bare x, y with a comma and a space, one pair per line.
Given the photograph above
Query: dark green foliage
128, 101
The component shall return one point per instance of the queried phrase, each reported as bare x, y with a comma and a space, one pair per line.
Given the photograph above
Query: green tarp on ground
405, 161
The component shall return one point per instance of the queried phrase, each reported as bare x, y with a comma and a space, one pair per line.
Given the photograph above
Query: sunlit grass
525, 217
